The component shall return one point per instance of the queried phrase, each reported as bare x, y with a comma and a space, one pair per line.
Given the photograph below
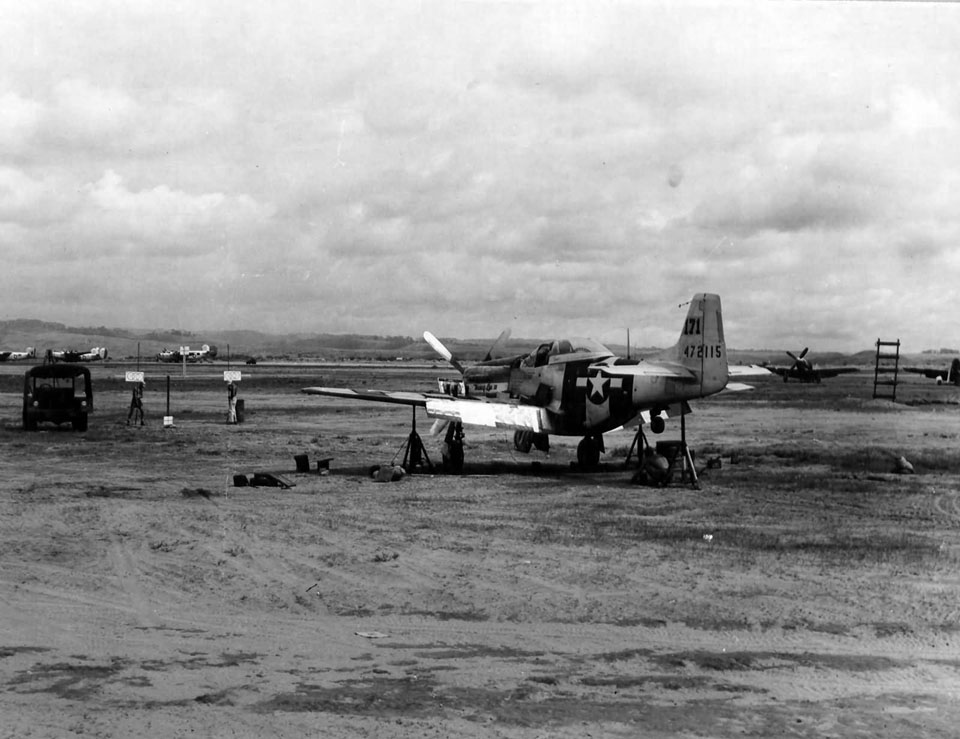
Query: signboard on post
231, 375
134, 376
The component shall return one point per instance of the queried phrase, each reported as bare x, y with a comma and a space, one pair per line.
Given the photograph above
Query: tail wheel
657, 424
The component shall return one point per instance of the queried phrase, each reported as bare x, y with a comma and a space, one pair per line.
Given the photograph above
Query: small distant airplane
185, 353
97, 353
950, 375
575, 387
803, 371
13, 356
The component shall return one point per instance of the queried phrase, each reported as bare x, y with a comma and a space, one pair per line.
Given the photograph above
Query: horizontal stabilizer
747, 370
647, 369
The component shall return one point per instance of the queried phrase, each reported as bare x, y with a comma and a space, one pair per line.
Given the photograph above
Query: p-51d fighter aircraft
949, 375
13, 356
69, 355
576, 388
186, 353
802, 370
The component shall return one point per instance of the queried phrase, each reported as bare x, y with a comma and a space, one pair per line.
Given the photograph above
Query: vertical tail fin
701, 347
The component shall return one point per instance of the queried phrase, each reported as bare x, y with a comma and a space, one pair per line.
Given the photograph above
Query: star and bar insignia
598, 387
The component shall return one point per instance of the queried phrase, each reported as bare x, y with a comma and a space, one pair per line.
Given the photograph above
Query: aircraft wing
834, 371
380, 396
488, 413
933, 374
492, 414
752, 370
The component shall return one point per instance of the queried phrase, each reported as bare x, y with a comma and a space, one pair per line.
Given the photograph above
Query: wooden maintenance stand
887, 363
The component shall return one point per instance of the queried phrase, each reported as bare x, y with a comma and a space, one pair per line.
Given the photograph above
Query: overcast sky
553, 167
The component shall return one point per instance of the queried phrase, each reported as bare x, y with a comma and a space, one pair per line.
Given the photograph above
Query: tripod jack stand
414, 452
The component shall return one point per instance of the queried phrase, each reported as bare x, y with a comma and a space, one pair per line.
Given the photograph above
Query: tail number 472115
703, 351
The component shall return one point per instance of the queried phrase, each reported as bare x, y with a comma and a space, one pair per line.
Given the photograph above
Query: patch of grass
476, 616
838, 544
871, 459
742, 661
66, 680
668, 682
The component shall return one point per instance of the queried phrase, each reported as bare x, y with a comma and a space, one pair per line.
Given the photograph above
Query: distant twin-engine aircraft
950, 375
69, 355
577, 387
13, 356
803, 370
186, 353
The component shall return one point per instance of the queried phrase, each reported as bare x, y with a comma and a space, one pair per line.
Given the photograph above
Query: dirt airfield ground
804, 591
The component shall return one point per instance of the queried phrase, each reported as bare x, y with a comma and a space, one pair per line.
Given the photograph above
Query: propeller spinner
795, 358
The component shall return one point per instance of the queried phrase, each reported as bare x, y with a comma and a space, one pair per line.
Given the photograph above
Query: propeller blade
793, 356
440, 349
804, 352
501, 339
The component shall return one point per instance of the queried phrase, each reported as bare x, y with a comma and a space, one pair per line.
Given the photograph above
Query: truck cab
57, 393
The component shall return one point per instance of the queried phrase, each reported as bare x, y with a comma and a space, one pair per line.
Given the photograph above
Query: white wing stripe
494, 415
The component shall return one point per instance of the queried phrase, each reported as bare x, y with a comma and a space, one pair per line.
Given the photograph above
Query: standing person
232, 391
136, 404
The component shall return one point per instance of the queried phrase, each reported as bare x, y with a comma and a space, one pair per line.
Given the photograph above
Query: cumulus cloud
558, 167
162, 223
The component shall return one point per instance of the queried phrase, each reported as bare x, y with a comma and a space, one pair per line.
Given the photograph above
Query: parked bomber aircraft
69, 355
13, 356
186, 353
803, 370
950, 375
576, 387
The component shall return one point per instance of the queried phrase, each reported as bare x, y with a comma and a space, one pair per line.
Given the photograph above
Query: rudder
701, 347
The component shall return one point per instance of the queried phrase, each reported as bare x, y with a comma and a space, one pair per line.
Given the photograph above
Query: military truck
57, 393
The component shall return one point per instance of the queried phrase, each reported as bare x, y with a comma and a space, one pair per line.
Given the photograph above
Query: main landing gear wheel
453, 449
588, 451
522, 441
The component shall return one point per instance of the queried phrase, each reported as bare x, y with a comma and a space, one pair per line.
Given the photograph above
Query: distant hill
122, 344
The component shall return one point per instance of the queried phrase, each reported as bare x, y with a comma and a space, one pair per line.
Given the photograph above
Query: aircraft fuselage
576, 395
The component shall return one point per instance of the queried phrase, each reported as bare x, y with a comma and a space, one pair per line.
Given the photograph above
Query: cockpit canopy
546, 352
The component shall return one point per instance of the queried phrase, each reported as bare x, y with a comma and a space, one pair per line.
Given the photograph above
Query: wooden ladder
888, 361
